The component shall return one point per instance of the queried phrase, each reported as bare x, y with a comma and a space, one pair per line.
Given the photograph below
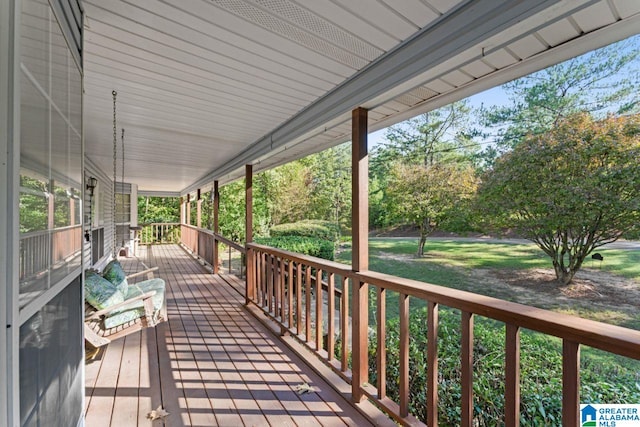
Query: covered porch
212, 363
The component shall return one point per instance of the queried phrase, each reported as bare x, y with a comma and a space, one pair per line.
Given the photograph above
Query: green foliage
429, 196
158, 209
232, 211
319, 229
304, 245
603, 379
600, 82
410, 168
571, 190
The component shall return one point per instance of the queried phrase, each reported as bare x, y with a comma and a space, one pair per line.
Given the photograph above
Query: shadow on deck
211, 364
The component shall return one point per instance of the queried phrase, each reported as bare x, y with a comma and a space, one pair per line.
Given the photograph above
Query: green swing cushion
99, 292
114, 273
135, 310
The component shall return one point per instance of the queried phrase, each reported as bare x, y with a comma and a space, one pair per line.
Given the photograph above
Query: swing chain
115, 154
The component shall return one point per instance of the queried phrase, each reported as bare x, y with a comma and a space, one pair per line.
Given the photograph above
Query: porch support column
360, 248
182, 208
188, 210
249, 229
198, 210
51, 224
72, 209
216, 226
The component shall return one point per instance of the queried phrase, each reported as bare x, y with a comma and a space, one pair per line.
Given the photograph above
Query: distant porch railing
42, 250
297, 291
159, 233
205, 244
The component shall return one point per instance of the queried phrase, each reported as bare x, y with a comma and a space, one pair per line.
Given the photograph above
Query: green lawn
454, 264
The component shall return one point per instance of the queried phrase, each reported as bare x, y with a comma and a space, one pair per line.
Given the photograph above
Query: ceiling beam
464, 27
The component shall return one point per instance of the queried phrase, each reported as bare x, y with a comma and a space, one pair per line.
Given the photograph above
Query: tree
570, 190
428, 195
442, 136
600, 82
158, 209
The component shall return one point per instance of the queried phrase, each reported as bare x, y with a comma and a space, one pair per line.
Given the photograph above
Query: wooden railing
41, 250
289, 288
205, 244
160, 233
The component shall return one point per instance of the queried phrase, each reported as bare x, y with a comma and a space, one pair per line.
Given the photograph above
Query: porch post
72, 210
248, 227
182, 207
51, 213
198, 210
360, 249
216, 226
188, 210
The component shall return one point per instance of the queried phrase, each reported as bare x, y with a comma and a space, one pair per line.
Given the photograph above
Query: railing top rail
43, 232
218, 237
329, 266
158, 223
611, 338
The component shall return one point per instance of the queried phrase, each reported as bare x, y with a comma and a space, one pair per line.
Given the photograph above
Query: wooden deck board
211, 364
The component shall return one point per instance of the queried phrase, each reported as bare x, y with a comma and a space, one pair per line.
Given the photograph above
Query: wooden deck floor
211, 364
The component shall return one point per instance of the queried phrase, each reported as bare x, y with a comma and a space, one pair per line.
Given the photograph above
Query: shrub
312, 228
304, 245
603, 378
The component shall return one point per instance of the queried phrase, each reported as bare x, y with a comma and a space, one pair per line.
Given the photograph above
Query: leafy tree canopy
570, 190
430, 195
604, 81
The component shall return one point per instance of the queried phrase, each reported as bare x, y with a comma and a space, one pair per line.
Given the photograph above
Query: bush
304, 245
311, 228
603, 378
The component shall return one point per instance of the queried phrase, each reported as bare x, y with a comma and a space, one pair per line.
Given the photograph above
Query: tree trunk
564, 275
425, 230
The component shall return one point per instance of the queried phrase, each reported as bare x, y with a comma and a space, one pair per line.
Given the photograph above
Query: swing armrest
149, 273
105, 311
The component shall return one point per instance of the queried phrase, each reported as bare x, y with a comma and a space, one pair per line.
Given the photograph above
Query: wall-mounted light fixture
91, 185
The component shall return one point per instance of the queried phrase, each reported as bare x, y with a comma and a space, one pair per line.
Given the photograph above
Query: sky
494, 96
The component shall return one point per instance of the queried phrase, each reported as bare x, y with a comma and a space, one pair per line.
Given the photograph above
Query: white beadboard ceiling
206, 86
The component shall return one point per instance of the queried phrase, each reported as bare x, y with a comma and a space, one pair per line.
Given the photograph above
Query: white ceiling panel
558, 32
205, 86
594, 17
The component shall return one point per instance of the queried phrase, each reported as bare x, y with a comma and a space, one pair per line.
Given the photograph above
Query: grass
451, 263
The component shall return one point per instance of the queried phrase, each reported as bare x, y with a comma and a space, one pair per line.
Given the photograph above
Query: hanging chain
122, 139
115, 159
124, 232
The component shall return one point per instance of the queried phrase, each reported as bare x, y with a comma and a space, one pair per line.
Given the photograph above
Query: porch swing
114, 307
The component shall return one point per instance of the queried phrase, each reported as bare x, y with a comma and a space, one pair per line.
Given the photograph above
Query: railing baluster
404, 355
331, 308
512, 377
432, 364
290, 292
319, 307
298, 298
307, 300
283, 305
269, 282
344, 330
466, 363
381, 320
570, 383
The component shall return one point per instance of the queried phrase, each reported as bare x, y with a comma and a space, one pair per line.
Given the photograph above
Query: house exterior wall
41, 188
